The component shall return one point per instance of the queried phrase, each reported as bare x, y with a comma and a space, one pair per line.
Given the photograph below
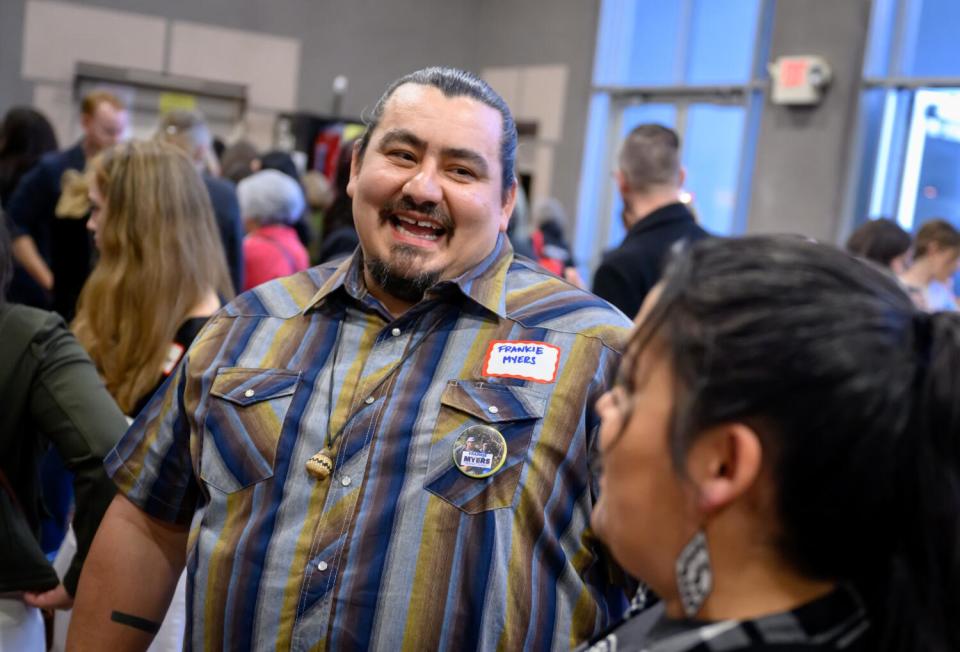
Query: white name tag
536, 361
477, 459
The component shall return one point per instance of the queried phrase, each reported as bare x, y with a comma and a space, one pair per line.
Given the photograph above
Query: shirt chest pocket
515, 412
245, 416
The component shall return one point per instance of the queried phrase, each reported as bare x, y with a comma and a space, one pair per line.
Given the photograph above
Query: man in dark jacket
48, 211
649, 178
189, 131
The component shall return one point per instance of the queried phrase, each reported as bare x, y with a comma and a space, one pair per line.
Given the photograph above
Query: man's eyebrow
470, 156
404, 136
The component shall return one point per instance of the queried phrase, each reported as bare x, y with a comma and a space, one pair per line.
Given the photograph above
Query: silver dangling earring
694, 574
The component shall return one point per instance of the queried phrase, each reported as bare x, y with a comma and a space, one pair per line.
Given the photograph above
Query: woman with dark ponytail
780, 457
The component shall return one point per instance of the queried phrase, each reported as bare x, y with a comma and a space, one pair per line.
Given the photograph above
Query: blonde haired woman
161, 272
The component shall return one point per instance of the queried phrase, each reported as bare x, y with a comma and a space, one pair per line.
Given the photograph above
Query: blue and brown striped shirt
397, 549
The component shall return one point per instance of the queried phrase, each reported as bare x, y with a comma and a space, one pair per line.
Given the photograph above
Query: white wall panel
543, 94
55, 102
268, 65
57, 35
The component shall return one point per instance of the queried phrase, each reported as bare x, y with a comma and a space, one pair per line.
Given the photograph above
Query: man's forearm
127, 581
25, 252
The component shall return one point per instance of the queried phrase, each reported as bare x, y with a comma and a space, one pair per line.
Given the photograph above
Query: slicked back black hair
456, 83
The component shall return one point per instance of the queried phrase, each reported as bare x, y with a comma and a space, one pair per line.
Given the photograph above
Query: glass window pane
722, 37
931, 183
638, 43
653, 57
888, 133
933, 47
711, 156
876, 60
595, 173
614, 42
873, 153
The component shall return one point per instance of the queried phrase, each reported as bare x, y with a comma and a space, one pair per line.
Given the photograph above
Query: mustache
430, 210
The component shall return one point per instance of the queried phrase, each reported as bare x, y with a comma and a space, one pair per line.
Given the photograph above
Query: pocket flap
494, 403
245, 386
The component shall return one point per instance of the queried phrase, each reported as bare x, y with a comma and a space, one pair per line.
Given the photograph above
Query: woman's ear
724, 464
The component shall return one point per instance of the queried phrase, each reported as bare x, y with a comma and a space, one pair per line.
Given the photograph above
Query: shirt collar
484, 284
337, 280
665, 214
75, 156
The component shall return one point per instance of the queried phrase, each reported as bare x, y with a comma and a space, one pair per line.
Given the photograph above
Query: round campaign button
479, 451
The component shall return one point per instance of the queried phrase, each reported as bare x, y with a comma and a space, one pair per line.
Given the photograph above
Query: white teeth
421, 223
432, 236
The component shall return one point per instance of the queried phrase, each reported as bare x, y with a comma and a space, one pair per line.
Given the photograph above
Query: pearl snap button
395, 332
493, 409
345, 481
369, 400
249, 393
322, 566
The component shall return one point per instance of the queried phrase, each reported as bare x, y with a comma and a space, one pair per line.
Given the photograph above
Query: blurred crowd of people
925, 264
134, 244
767, 458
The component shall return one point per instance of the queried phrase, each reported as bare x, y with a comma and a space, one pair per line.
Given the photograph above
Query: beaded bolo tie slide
320, 466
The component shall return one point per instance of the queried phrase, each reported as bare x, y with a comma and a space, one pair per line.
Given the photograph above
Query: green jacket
51, 395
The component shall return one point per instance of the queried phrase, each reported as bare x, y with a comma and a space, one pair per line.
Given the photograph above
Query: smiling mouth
423, 229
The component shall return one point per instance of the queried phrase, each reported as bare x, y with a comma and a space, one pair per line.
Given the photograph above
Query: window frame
880, 154
598, 192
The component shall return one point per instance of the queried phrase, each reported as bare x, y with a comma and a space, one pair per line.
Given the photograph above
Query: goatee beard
398, 279
400, 276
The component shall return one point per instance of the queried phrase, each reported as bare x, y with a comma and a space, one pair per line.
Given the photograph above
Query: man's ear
622, 184
355, 160
724, 464
681, 176
507, 209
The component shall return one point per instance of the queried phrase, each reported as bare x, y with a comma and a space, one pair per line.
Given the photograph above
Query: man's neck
394, 306
920, 273
88, 150
639, 206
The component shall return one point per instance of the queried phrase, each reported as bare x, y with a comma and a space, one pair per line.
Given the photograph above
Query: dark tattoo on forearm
136, 622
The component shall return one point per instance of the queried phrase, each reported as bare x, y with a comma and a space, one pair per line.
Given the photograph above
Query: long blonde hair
160, 255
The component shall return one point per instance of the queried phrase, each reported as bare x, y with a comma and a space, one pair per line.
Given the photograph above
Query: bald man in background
48, 210
649, 177
189, 131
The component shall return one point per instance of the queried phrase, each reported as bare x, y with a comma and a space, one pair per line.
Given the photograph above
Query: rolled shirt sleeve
152, 464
